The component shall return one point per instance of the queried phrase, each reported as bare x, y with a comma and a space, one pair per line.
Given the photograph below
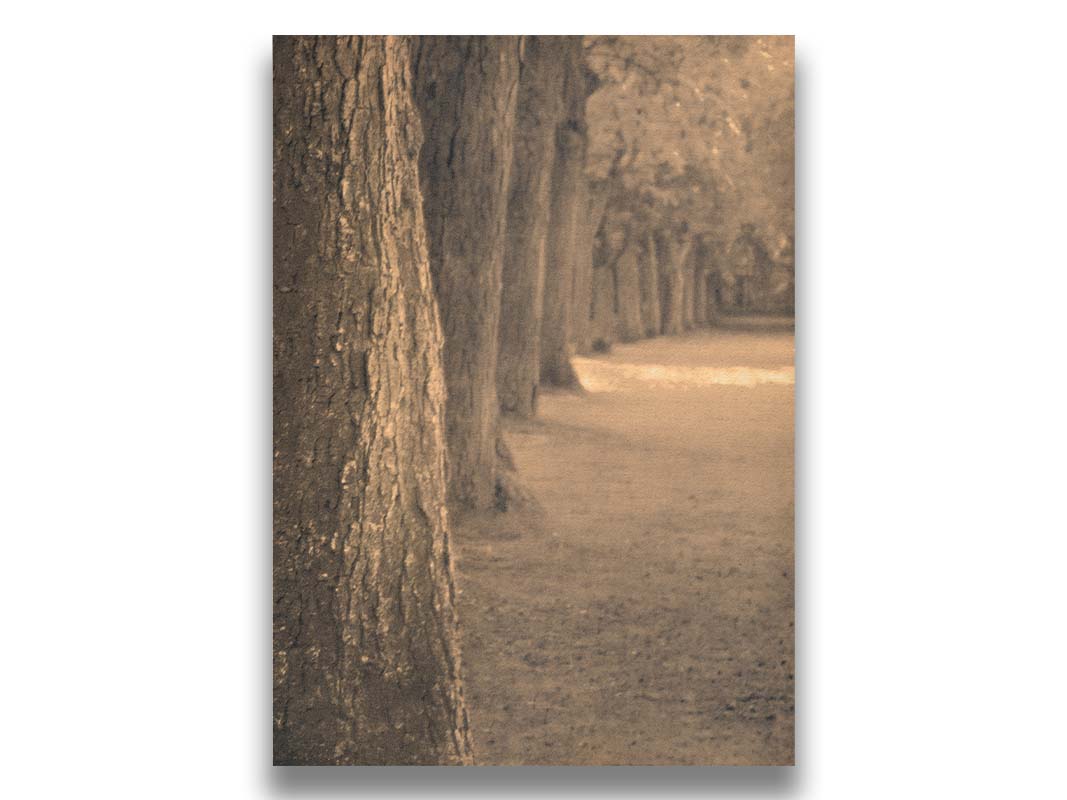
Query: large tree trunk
466, 89
366, 663
649, 272
630, 326
568, 176
540, 107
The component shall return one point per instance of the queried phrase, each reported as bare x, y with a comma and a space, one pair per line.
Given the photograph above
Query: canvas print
533, 400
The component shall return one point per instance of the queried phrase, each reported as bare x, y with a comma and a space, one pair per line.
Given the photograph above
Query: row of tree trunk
656, 284
432, 237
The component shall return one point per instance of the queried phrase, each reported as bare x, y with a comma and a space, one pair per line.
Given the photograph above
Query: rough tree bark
649, 273
466, 89
629, 325
567, 176
366, 666
540, 106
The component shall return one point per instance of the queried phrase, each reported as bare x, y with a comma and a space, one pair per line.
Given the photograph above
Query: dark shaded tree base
562, 376
565, 388
510, 493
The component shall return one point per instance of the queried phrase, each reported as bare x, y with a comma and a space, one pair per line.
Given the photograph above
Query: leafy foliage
695, 133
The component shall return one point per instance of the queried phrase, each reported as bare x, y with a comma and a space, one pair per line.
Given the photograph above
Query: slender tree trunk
630, 324
672, 266
649, 274
700, 298
604, 319
466, 89
366, 662
540, 107
688, 294
713, 289
557, 333
593, 204
700, 283
582, 293
663, 262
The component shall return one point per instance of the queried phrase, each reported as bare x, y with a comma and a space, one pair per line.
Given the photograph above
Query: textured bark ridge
466, 89
567, 181
540, 107
366, 667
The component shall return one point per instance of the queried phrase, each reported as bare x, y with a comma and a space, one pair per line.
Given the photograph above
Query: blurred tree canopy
694, 135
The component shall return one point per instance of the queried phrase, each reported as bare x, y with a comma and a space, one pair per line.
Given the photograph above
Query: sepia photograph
533, 400
636, 408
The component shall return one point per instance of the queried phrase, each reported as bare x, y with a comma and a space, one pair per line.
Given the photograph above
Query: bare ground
645, 616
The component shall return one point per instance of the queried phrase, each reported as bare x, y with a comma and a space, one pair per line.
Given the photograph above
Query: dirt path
647, 616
